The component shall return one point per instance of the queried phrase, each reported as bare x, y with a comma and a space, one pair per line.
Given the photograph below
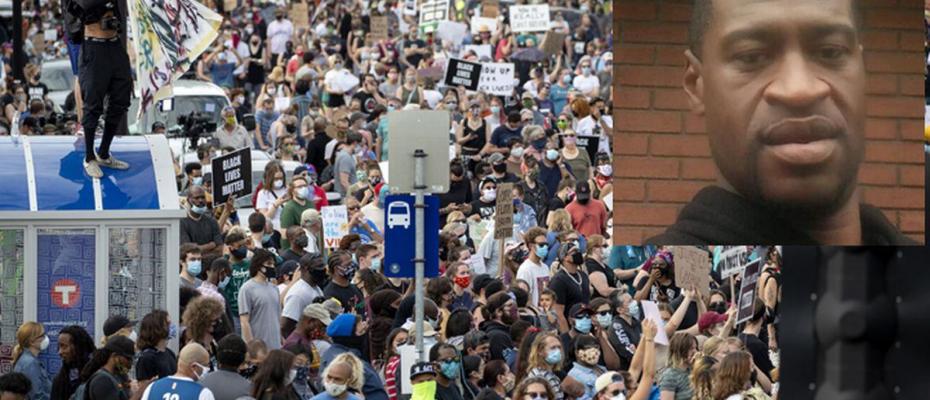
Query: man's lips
802, 141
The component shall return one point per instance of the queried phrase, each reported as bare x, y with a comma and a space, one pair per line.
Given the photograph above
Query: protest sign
651, 311
436, 73
230, 5
481, 50
462, 73
497, 79
478, 22
431, 12
692, 269
503, 212
490, 8
733, 259
589, 143
552, 43
533, 18
299, 14
232, 175
747, 291
452, 32
335, 225
379, 28
167, 40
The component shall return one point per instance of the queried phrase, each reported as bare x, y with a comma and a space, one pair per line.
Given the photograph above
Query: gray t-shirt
677, 381
226, 385
345, 163
262, 302
300, 296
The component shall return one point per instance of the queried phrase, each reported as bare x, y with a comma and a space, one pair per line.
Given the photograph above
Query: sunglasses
603, 313
536, 395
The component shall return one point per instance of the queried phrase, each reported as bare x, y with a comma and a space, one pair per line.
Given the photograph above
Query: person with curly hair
734, 377
75, 347
535, 388
201, 317
702, 375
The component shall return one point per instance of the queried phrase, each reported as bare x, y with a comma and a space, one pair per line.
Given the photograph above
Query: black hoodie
716, 217
499, 338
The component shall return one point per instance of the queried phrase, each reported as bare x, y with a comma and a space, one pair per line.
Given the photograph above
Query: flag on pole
168, 35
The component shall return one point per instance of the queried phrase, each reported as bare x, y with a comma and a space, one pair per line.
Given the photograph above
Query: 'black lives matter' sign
232, 175
463, 73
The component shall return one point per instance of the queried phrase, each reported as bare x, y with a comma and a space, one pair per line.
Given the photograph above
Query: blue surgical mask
552, 154
223, 283
172, 331
198, 180
633, 309
605, 320
583, 325
376, 264
542, 251
567, 79
554, 356
450, 369
194, 268
266, 238
495, 109
199, 210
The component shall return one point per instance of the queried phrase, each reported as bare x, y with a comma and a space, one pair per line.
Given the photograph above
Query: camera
195, 124
110, 23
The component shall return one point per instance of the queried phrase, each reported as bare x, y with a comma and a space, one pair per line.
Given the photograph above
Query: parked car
57, 76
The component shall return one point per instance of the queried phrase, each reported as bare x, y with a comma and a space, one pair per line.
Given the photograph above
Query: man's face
197, 197
782, 87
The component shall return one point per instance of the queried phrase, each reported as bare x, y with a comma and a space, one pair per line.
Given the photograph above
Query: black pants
104, 74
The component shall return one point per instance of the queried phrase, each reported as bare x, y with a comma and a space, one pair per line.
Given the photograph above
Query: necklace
572, 277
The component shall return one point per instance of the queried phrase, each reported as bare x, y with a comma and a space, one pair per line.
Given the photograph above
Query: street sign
503, 213
423, 130
747, 291
232, 175
399, 232
66, 293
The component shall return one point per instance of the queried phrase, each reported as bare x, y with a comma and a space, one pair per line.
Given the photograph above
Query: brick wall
662, 156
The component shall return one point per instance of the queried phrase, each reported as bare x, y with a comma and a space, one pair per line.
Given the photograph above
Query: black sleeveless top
475, 145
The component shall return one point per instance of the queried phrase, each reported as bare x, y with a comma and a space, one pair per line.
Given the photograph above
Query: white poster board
478, 22
733, 259
651, 311
533, 18
497, 79
453, 32
482, 50
335, 225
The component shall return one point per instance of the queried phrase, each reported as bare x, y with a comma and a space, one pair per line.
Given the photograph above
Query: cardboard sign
452, 32
481, 50
651, 311
232, 175
747, 291
335, 225
490, 8
299, 14
379, 28
478, 22
529, 18
733, 259
552, 43
230, 5
497, 79
692, 268
431, 12
503, 212
462, 73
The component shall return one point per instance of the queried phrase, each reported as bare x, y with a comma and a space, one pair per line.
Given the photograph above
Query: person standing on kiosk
192, 365
103, 73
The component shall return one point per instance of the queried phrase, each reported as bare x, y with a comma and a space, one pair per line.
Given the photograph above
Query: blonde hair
357, 380
559, 221
711, 345
702, 376
595, 241
199, 315
454, 216
28, 332
537, 356
732, 374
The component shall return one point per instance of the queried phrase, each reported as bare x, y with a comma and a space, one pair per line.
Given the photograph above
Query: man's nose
797, 83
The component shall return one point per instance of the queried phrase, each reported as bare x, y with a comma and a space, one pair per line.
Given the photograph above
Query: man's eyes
753, 59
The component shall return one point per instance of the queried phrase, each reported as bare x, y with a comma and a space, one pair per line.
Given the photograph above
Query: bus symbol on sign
399, 214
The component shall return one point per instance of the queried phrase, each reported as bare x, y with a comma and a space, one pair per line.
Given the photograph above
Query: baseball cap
421, 368
583, 190
115, 323
579, 309
342, 326
287, 268
121, 345
318, 312
300, 169
496, 158
709, 319
605, 380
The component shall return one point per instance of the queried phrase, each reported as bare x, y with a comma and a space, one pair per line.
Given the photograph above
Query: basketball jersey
171, 388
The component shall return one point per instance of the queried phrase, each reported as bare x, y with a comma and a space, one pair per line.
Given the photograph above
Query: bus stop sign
400, 239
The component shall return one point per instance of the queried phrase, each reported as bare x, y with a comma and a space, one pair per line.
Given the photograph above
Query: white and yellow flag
168, 35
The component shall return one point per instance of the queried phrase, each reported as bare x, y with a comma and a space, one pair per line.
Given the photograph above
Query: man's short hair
231, 351
16, 383
703, 12
188, 248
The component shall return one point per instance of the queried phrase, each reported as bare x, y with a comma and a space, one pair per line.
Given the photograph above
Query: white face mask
133, 336
291, 377
605, 170
490, 194
278, 184
333, 389
620, 396
45, 342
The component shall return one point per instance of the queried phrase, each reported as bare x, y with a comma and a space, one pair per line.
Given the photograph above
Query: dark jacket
499, 338
717, 216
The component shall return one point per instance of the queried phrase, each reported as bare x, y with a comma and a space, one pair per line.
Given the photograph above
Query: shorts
74, 53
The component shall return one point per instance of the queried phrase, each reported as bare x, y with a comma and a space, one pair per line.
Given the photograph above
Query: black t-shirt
568, 290
459, 193
368, 101
201, 232
414, 59
350, 297
450, 392
316, 151
155, 364
289, 255
106, 386
759, 351
482, 208
671, 291
37, 91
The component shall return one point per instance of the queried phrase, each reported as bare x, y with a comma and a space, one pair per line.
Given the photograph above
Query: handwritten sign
497, 79
452, 32
533, 18
733, 260
552, 43
462, 73
490, 8
503, 220
299, 14
379, 28
478, 22
335, 225
692, 269
232, 175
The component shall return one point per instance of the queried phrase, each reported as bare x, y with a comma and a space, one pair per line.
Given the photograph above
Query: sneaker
112, 162
92, 169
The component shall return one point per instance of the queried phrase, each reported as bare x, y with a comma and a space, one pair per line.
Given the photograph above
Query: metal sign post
419, 187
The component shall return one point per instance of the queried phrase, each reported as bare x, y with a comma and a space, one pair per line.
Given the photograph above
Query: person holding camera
103, 73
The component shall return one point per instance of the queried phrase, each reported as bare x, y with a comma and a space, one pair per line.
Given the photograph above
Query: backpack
80, 392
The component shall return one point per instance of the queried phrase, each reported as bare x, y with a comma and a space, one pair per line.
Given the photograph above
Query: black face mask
301, 242
317, 276
577, 258
719, 307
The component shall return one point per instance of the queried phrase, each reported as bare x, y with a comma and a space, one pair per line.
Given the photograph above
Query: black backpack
81, 392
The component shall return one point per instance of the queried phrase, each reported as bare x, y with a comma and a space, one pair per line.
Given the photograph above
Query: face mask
620, 396
376, 264
291, 128
554, 357
133, 336
577, 258
517, 152
172, 331
360, 176
374, 181
223, 283
434, 323
269, 272
719, 307
633, 309
605, 170
290, 377
240, 253
271, 91
302, 373
605, 320
193, 268
302, 193
198, 180
424, 390
463, 239
301, 242
583, 325
569, 140
390, 107
348, 271
333, 389
489, 194
450, 369
231, 120
278, 184
542, 251
45, 342
240, 99
500, 168
462, 281
586, 71
539, 144
589, 356
266, 238
567, 79
517, 203
495, 109
552, 154
199, 210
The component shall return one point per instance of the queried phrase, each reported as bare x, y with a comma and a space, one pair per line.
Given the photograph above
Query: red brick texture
662, 156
